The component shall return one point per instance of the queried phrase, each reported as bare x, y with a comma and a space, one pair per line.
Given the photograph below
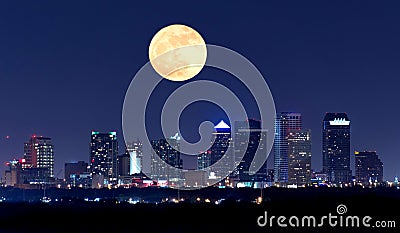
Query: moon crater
177, 52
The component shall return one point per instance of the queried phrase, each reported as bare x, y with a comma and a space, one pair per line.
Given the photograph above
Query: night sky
65, 66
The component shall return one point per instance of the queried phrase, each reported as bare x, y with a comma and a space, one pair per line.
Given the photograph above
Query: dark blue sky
65, 65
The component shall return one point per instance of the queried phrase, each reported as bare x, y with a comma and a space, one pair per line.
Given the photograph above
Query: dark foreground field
236, 214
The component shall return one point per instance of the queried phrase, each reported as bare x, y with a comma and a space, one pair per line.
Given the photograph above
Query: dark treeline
238, 213
156, 194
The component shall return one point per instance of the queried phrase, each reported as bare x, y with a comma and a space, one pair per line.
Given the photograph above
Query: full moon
177, 52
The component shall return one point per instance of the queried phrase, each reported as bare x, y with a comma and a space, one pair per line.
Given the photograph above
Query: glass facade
168, 151
39, 153
368, 167
284, 122
103, 155
257, 139
299, 155
336, 148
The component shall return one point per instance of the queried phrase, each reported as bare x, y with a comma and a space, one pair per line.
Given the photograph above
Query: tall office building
168, 151
135, 161
124, 165
299, 155
103, 158
39, 153
368, 167
284, 122
336, 147
257, 139
222, 141
30, 159
204, 160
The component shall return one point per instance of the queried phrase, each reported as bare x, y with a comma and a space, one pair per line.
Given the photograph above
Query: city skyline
77, 60
333, 125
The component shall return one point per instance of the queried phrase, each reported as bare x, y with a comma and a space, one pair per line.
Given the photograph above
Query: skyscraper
103, 157
204, 160
284, 122
336, 147
299, 154
168, 151
222, 141
39, 153
368, 167
135, 153
123, 165
257, 139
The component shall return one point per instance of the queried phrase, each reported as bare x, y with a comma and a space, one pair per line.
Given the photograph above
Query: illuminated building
204, 160
336, 148
39, 153
318, 178
222, 141
82, 180
33, 175
135, 154
103, 158
123, 164
368, 167
10, 175
28, 156
284, 122
76, 174
299, 155
168, 151
20, 173
130, 163
270, 176
257, 139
